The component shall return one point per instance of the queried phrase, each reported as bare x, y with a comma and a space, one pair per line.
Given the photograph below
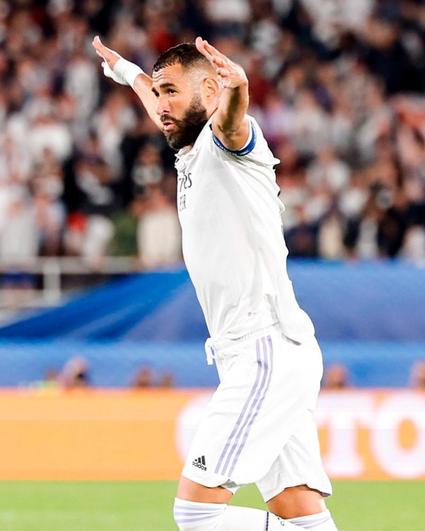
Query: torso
231, 231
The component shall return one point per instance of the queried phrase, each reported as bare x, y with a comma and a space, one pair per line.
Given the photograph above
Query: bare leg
297, 501
191, 491
202, 508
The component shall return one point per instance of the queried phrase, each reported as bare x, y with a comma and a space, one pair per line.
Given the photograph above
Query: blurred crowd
337, 86
337, 377
76, 373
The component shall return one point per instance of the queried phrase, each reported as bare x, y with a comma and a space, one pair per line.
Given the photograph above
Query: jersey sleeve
256, 150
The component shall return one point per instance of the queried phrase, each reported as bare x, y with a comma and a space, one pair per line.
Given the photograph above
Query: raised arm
126, 73
230, 123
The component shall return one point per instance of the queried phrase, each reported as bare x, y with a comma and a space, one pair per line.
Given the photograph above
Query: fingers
219, 61
108, 55
200, 45
101, 49
211, 53
98, 45
229, 73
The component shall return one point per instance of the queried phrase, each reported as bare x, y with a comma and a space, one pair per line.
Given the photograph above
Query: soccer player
259, 426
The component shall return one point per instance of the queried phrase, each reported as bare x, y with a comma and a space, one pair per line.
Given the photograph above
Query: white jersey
232, 237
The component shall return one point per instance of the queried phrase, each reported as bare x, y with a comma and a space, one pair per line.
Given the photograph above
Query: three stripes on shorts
239, 435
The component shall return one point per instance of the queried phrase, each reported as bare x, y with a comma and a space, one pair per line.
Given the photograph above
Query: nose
163, 106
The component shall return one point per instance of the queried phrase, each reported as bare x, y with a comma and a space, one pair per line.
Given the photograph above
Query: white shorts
259, 425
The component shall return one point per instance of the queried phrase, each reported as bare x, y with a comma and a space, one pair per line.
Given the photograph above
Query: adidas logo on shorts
200, 463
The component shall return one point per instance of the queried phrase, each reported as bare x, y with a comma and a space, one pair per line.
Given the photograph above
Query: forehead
174, 74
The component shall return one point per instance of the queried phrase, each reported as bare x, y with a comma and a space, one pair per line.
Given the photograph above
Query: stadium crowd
338, 91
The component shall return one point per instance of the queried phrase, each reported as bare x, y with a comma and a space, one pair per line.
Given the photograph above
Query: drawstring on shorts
209, 351
213, 345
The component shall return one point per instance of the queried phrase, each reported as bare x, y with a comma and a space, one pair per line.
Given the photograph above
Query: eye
171, 91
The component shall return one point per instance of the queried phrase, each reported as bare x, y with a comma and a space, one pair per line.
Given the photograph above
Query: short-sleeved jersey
232, 237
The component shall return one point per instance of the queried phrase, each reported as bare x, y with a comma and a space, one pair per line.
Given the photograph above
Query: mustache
191, 119
188, 127
167, 118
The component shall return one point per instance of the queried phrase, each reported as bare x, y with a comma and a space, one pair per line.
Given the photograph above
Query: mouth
168, 125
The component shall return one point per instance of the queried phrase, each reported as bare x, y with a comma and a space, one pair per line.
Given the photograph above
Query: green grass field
146, 506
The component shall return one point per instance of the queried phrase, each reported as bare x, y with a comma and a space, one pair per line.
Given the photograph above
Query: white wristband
126, 70
112, 75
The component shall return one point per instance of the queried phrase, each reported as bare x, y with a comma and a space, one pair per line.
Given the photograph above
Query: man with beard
259, 426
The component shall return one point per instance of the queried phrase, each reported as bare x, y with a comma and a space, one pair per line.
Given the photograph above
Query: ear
210, 88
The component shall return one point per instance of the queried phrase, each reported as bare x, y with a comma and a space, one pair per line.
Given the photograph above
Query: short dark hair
185, 54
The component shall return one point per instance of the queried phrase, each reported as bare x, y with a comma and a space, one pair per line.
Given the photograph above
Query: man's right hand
114, 66
108, 55
126, 73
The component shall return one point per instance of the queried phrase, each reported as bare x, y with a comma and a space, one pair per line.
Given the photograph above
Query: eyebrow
163, 86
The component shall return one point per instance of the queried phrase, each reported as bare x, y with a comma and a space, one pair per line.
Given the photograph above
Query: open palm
231, 75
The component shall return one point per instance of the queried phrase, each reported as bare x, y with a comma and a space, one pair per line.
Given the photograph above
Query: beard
187, 129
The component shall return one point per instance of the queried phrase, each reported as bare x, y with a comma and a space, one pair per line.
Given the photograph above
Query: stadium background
102, 369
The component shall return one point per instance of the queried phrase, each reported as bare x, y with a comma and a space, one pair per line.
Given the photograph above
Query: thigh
218, 441
298, 464
192, 491
266, 385
296, 501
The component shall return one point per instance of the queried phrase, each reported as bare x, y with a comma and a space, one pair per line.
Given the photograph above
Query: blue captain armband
239, 152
